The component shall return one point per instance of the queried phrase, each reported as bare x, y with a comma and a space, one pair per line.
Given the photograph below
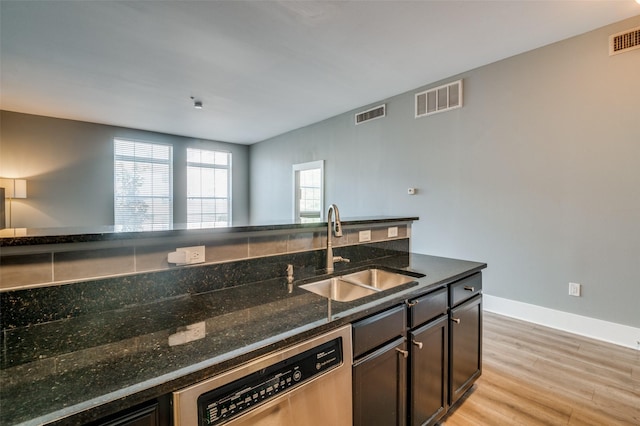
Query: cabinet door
465, 347
379, 386
428, 379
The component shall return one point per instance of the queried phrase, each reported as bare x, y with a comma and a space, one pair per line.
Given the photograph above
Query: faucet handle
341, 259
290, 278
289, 273
337, 229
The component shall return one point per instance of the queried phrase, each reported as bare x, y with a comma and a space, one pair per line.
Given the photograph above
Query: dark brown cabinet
380, 369
145, 416
428, 377
379, 386
156, 412
411, 365
465, 336
428, 343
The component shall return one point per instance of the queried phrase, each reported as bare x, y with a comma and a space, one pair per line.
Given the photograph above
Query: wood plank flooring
533, 375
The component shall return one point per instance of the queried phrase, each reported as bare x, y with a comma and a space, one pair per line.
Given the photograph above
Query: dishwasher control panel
229, 401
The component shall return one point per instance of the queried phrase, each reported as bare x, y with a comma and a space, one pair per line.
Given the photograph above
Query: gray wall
538, 174
69, 169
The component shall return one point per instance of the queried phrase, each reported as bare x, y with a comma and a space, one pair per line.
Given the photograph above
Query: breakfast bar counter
81, 368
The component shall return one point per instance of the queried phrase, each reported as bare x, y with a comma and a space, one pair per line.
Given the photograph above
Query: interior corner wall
68, 166
537, 175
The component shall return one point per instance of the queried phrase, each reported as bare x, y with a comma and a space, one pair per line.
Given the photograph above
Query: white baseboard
618, 334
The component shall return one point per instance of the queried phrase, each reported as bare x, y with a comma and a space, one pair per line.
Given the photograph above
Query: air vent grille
624, 41
439, 99
371, 114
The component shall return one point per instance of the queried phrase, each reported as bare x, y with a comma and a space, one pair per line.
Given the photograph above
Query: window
143, 196
308, 191
208, 188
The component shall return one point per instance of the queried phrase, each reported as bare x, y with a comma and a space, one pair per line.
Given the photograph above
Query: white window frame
297, 168
228, 198
118, 196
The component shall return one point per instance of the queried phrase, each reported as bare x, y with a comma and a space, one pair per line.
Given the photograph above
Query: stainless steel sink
339, 290
378, 278
358, 284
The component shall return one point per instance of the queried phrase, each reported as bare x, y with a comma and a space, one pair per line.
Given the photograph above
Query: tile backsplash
78, 265
66, 264
38, 305
18, 271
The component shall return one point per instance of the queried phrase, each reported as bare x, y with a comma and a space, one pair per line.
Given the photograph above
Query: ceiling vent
439, 99
624, 41
371, 114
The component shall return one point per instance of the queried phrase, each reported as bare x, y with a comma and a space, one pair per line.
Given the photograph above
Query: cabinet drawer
427, 307
372, 332
465, 289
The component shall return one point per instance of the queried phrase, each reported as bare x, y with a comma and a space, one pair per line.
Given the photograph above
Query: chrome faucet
337, 230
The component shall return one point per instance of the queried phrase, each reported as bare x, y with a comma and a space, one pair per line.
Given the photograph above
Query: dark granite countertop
120, 358
37, 236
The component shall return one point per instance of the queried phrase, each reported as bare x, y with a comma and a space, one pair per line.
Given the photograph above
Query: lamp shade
20, 188
14, 188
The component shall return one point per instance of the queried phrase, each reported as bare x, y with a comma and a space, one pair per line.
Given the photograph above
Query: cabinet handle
418, 344
469, 288
405, 354
412, 303
456, 320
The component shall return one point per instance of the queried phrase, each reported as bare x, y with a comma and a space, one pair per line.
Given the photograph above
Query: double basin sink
355, 285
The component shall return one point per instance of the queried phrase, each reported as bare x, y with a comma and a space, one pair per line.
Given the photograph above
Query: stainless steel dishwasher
307, 384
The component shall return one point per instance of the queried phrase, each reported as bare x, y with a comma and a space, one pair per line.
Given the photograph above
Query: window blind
143, 181
208, 188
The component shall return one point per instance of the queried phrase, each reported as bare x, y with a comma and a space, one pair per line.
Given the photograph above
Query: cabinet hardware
469, 288
405, 354
412, 303
456, 320
418, 344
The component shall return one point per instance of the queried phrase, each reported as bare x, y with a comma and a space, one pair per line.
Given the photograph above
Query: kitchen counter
21, 237
82, 368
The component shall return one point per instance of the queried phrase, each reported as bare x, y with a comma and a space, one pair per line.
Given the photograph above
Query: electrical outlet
392, 231
575, 289
192, 254
364, 236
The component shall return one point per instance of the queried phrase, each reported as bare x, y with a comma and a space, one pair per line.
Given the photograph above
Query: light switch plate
392, 231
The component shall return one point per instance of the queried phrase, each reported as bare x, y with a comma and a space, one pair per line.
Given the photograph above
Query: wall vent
439, 99
624, 41
371, 114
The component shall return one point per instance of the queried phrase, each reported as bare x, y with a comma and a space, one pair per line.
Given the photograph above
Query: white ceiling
261, 68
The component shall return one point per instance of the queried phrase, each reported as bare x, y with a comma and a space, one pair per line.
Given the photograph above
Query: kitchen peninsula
97, 323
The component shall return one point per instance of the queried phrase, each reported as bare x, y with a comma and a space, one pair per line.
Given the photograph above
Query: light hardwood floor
533, 375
